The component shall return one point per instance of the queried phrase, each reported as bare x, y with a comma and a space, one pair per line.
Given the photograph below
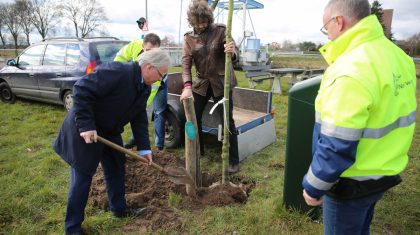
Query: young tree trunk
228, 65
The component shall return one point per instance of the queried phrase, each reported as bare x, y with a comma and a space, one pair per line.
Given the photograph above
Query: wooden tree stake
192, 145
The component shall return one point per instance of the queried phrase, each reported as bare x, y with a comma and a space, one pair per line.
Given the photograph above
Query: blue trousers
113, 165
159, 106
349, 216
160, 103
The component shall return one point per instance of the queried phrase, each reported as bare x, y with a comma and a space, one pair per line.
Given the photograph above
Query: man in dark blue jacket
104, 101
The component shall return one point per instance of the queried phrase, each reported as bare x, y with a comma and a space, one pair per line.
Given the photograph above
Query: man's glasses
162, 76
324, 29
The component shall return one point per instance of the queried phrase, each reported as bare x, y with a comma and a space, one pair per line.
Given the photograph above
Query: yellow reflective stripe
369, 133
317, 182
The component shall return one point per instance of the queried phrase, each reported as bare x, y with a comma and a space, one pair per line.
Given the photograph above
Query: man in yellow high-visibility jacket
365, 118
159, 91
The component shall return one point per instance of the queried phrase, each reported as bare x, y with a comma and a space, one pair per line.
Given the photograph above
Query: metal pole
147, 18
244, 15
179, 31
252, 24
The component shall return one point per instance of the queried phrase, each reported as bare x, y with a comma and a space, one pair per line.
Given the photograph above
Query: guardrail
301, 54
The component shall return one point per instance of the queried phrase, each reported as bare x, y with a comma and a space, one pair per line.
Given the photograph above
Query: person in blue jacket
104, 102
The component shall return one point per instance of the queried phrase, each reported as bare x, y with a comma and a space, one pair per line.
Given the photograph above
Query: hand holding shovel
176, 175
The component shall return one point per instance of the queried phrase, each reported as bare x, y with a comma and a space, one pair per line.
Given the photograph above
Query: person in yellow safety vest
365, 118
159, 91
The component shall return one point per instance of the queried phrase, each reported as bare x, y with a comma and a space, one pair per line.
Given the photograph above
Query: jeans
352, 216
159, 106
160, 103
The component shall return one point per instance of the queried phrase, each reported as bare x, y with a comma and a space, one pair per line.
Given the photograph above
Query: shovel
176, 175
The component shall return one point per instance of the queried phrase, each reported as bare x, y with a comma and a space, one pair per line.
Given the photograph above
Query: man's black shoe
75, 233
130, 144
160, 148
131, 212
233, 168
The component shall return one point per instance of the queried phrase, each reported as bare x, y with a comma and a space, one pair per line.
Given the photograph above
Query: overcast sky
279, 20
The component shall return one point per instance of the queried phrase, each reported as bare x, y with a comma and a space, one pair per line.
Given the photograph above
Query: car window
54, 54
73, 54
107, 51
32, 56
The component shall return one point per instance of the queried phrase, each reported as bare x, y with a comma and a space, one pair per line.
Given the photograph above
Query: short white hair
156, 57
354, 10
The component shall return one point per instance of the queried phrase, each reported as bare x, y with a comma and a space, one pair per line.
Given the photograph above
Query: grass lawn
34, 181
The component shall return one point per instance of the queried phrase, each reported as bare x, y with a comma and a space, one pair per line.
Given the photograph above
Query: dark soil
146, 187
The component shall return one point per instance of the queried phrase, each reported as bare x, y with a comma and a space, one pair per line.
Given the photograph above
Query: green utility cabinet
300, 123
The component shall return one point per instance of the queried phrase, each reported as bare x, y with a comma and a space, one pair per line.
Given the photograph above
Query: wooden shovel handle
131, 154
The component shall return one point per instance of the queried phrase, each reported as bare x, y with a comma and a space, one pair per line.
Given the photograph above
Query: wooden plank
260, 79
256, 74
243, 116
255, 68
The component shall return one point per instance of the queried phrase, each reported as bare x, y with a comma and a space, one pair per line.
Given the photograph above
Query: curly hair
199, 11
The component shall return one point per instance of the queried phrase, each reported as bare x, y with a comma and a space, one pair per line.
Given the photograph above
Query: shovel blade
178, 175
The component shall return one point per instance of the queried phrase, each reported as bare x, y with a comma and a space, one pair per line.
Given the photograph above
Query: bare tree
168, 41
414, 44
25, 15
46, 15
71, 11
288, 45
12, 22
2, 24
86, 15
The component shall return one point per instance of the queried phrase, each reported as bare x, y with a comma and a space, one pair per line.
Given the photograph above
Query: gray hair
354, 10
156, 57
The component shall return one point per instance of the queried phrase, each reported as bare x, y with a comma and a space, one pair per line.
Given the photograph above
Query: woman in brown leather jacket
205, 47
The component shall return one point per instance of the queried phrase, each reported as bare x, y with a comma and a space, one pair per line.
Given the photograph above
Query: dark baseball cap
142, 20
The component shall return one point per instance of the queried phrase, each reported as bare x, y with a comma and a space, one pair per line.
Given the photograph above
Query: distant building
387, 21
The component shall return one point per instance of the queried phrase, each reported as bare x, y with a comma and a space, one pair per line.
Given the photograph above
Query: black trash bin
300, 123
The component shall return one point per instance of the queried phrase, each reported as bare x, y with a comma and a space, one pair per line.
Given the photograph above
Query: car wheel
68, 100
6, 93
173, 131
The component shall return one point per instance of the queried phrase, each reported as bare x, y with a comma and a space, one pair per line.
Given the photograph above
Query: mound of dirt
146, 187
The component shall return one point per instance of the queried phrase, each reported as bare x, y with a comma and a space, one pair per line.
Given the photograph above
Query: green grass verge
34, 183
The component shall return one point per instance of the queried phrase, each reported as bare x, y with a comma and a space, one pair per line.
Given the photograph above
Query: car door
23, 80
50, 74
